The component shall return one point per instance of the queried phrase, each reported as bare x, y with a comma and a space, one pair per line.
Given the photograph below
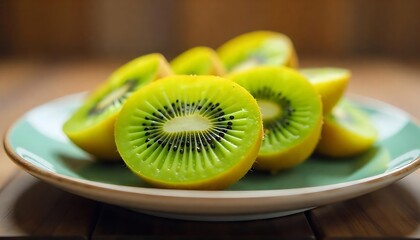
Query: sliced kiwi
190, 132
347, 131
257, 48
291, 111
91, 127
198, 61
329, 82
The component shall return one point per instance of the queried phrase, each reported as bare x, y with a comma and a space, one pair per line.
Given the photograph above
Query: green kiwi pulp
91, 126
259, 48
291, 111
109, 97
194, 132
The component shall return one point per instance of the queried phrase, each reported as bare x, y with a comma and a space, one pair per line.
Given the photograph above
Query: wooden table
30, 208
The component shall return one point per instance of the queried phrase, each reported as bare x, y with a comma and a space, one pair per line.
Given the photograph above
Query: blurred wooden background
128, 28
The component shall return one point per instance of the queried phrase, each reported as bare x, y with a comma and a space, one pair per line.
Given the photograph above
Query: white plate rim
338, 190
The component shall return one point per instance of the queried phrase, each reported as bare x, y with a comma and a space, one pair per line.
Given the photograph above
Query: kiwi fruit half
257, 48
329, 82
91, 127
190, 132
347, 131
291, 110
198, 61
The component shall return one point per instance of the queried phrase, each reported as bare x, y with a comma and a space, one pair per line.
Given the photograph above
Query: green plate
37, 144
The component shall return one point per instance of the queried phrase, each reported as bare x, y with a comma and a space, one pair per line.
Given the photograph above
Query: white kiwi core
269, 109
189, 123
114, 95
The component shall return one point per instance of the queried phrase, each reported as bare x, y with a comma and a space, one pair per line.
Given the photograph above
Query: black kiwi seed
265, 93
194, 141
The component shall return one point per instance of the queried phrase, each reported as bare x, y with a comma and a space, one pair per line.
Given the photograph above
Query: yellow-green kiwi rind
330, 83
259, 48
91, 127
198, 61
347, 131
190, 132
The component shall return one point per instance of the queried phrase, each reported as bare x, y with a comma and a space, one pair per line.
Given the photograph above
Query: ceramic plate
37, 144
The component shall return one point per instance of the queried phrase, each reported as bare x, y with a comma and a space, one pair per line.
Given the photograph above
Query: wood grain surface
115, 223
33, 209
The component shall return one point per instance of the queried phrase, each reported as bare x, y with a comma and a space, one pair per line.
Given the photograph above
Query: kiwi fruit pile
206, 118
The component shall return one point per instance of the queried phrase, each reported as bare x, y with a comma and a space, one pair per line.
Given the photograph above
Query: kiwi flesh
292, 115
190, 132
258, 48
198, 61
329, 82
91, 127
347, 131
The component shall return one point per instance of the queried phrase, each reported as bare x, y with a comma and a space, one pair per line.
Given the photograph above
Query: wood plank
29, 207
119, 223
393, 212
14, 76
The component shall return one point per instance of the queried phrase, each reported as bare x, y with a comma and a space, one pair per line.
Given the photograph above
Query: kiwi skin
338, 141
330, 91
184, 63
222, 180
251, 40
295, 156
98, 139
